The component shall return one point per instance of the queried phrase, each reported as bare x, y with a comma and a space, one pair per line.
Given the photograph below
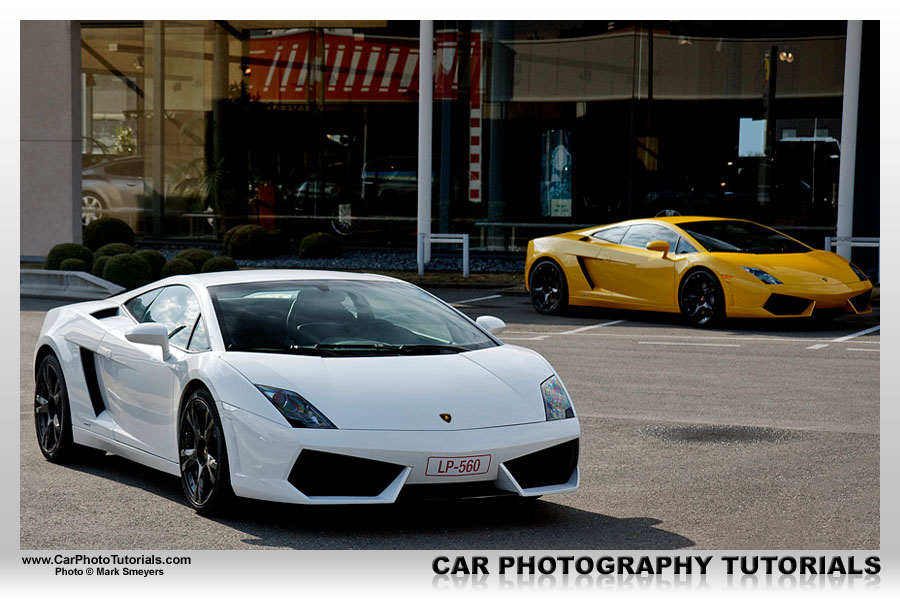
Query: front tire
701, 299
202, 455
92, 207
548, 287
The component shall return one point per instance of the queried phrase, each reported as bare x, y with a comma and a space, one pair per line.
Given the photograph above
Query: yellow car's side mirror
658, 246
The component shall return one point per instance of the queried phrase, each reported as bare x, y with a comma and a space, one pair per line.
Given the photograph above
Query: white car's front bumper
263, 459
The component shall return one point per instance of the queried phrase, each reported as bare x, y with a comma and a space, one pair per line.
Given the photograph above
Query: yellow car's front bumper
749, 299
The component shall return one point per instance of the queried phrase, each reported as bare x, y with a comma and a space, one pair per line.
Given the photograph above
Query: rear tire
548, 287
53, 417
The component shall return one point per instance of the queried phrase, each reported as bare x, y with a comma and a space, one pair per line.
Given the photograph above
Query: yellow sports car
706, 268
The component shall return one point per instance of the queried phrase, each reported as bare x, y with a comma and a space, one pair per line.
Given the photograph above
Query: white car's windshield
340, 318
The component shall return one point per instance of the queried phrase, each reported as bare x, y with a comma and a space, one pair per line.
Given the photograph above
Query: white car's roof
255, 275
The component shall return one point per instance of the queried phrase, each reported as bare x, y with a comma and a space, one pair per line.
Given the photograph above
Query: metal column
426, 93
846, 181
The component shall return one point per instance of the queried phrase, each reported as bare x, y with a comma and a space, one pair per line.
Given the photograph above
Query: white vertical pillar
50, 130
426, 93
846, 181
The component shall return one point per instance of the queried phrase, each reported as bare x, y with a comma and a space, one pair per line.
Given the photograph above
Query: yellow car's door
631, 274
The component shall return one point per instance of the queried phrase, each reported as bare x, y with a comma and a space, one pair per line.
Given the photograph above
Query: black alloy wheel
51, 411
701, 299
202, 455
549, 291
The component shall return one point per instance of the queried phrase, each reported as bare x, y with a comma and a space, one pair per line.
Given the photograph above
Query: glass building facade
190, 128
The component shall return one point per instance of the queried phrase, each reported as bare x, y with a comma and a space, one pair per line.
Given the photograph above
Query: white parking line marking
864, 349
516, 339
857, 334
691, 344
475, 299
580, 329
845, 338
741, 338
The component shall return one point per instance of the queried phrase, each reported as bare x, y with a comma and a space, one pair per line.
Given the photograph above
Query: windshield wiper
430, 349
393, 348
291, 350
376, 347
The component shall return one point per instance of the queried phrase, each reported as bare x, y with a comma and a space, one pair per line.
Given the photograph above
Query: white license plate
456, 466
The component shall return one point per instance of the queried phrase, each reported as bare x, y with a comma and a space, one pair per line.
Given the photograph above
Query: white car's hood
481, 388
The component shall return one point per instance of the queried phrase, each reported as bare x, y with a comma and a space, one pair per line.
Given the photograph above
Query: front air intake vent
551, 466
779, 304
326, 474
861, 302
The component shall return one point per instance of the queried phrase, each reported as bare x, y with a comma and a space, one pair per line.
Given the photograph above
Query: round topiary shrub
99, 265
177, 266
61, 252
73, 264
320, 245
107, 230
115, 248
155, 259
247, 241
219, 263
195, 256
127, 270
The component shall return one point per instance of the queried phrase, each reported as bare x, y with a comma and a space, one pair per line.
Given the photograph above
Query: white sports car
306, 387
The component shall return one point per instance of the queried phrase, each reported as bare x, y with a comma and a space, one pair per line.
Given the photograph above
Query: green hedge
195, 256
320, 245
177, 266
248, 241
61, 252
127, 270
115, 248
155, 259
74, 264
99, 265
219, 263
107, 230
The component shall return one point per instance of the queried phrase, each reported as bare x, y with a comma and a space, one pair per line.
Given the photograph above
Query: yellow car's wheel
701, 299
549, 290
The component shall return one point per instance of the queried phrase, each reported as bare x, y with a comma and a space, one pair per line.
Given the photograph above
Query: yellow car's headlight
762, 276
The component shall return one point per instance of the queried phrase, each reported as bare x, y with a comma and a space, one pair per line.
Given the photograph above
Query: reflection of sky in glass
175, 307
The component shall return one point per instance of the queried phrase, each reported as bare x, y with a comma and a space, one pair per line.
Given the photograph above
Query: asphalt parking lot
757, 435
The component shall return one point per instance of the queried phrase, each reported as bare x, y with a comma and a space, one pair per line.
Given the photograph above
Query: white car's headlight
556, 402
295, 408
762, 276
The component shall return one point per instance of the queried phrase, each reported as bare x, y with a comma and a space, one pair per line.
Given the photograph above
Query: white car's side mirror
153, 334
492, 324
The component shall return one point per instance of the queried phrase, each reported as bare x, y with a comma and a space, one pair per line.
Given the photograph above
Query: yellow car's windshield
741, 236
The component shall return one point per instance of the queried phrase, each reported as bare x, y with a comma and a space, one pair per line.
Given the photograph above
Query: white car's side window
177, 308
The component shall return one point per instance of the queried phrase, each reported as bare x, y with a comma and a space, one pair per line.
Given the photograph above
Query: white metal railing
442, 238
